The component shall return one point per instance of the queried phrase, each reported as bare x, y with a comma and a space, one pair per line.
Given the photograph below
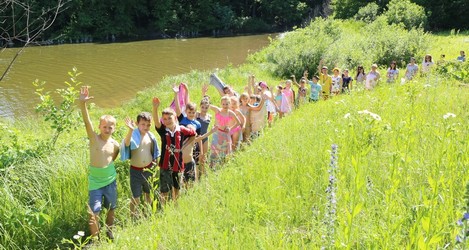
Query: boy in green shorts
102, 174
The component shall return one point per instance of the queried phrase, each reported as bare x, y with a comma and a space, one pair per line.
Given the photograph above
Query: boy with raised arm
102, 173
141, 147
171, 162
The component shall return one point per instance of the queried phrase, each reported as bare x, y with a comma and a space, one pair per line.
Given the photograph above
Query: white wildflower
448, 115
346, 116
373, 115
376, 117
81, 233
76, 236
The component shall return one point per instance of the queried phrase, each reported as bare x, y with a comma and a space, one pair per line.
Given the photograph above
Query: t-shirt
392, 74
326, 83
315, 90
336, 83
461, 58
426, 66
411, 70
345, 83
183, 120
171, 144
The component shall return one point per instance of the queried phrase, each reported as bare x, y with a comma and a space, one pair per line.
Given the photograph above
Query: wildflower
448, 115
76, 236
81, 233
459, 223
346, 116
376, 117
466, 216
373, 115
459, 239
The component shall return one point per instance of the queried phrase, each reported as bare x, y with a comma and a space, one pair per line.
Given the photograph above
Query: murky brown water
119, 68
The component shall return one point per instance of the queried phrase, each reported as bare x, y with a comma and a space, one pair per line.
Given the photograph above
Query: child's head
144, 122
107, 125
412, 60
252, 99
204, 105
336, 71
244, 99
191, 108
346, 72
393, 65
234, 103
315, 79
374, 66
428, 58
324, 70
279, 89
288, 84
227, 90
360, 69
263, 85
462, 53
303, 82
225, 102
169, 117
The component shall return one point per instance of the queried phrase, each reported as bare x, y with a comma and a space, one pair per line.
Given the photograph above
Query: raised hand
176, 89
204, 89
129, 123
156, 102
84, 94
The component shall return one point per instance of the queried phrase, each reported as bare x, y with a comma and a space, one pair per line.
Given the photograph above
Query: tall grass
400, 183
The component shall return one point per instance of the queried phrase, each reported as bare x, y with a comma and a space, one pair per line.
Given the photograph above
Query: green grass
401, 180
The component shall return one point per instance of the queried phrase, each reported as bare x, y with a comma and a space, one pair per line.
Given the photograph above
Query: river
117, 71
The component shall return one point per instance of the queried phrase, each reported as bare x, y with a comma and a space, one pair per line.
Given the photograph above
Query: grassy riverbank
400, 181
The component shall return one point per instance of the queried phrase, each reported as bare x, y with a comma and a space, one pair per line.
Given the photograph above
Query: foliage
62, 117
341, 44
454, 70
347, 9
405, 12
368, 14
400, 185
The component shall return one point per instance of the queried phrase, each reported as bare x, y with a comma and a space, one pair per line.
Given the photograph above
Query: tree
404, 12
24, 22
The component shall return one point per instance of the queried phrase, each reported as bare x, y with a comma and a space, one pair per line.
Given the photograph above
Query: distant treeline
108, 20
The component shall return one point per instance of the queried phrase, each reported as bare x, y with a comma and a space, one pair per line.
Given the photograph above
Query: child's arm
250, 83
294, 81
131, 125
84, 97
156, 118
186, 99
176, 100
233, 115
261, 104
242, 119
215, 108
200, 138
204, 90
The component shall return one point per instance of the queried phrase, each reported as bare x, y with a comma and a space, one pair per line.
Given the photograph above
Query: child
102, 174
237, 132
325, 80
393, 73
361, 76
246, 109
346, 82
204, 119
221, 139
372, 78
411, 69
462, 56
427, 64
281, 102
336, 82
289, 95
302, 89
257, 118
315, 89
270, 107
171, 163
141, 147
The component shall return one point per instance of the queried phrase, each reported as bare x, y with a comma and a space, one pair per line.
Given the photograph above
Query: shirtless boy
102, 174
141, 147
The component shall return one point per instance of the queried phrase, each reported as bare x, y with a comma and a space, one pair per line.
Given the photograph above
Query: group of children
184, 132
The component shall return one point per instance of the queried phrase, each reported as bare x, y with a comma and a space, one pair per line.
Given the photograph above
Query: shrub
368, 14
404, 12
341, 44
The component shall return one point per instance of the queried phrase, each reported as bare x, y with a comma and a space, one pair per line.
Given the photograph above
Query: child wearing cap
325, 80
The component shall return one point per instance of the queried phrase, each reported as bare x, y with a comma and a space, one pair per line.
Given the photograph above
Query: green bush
368, 14
404, 12
343, 44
